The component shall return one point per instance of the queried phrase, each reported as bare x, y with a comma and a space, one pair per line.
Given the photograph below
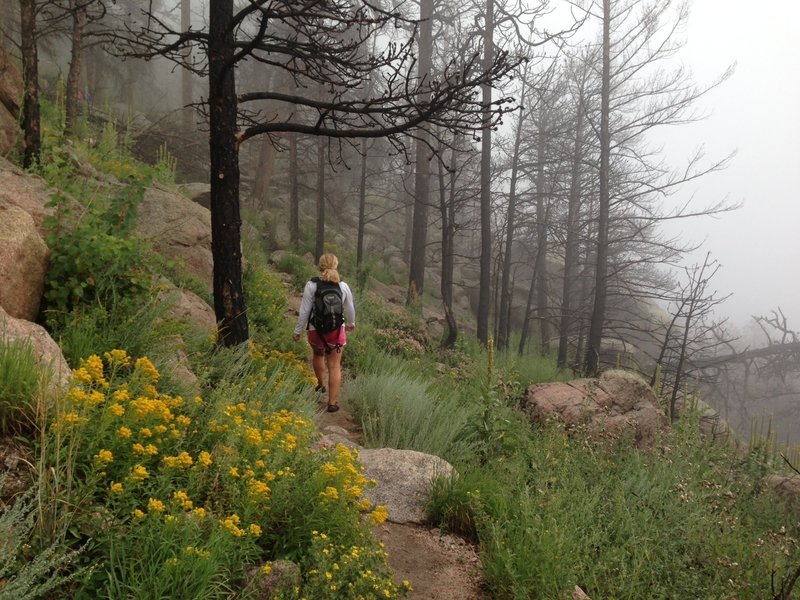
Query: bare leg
318, 362
334, 363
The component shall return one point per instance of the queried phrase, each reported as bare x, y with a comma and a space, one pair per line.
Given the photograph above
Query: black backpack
327, 312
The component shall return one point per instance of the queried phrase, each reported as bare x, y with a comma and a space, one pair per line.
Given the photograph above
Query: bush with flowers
179, 496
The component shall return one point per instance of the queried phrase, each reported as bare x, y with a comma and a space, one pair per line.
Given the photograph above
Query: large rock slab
47, 352
28, 192
617, 403
188, 308
179, 229
404, 480
23, 263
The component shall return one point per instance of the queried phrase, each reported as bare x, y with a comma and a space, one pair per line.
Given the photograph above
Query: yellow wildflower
155, 505
116, 488
117, 358
330, 493
137, 514
379, 515
124, 433
116, 410
121, 395
138, 473
204, 458
103, 457
146, 368
182, 499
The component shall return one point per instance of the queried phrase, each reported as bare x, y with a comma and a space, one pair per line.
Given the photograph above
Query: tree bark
75, 66
571, 244
541, 234
592, 364
264, 173
503, 324
484, 293
319, 246
448, 214
31, 114
187, 114
229, 305
294, 195
419, 236
362, 205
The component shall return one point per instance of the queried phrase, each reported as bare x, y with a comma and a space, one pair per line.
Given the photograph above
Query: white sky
756, 113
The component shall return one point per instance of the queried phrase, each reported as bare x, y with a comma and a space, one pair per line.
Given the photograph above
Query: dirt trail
439, 566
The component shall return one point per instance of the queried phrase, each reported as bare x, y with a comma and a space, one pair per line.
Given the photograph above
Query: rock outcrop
28, 192
404, 480
179, 229
23, 263
786, 487
47, 352
188, 308
617, 403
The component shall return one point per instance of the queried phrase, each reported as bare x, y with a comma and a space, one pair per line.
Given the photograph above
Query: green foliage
94, 260
196, 490
141, 327
22, 576
298, 267
19, 385
265, 298
678, 523
166, 166
397, 410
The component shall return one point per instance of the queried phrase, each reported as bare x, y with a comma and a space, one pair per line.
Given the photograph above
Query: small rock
403, 480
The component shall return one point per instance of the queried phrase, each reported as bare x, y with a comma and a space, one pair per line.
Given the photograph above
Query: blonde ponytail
328, 263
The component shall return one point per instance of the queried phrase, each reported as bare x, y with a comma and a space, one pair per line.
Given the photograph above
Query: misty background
755, 114
497, 230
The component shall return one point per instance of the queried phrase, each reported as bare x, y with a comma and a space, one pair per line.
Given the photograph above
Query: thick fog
754, 113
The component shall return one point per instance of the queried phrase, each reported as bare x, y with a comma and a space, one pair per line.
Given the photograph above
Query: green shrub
142, 327
267, 307
19, 386
299, 268
94, 260
171, 488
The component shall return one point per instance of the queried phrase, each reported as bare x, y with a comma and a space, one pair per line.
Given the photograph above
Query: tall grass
398, 410
686, 521
20, 381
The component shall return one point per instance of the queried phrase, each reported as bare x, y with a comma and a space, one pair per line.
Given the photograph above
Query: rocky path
439, 566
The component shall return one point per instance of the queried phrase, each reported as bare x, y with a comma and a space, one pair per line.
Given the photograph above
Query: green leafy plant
94, 260
298, 267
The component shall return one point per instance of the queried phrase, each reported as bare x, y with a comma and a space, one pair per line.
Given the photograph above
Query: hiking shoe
320, 389
333, 407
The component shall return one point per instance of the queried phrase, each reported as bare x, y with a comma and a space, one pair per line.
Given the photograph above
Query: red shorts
333, 339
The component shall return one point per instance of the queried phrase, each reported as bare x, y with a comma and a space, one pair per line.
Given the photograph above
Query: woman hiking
328, 312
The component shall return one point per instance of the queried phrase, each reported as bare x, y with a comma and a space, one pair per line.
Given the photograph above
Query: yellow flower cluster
232, 525
250, 459
292, 364
361, 570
